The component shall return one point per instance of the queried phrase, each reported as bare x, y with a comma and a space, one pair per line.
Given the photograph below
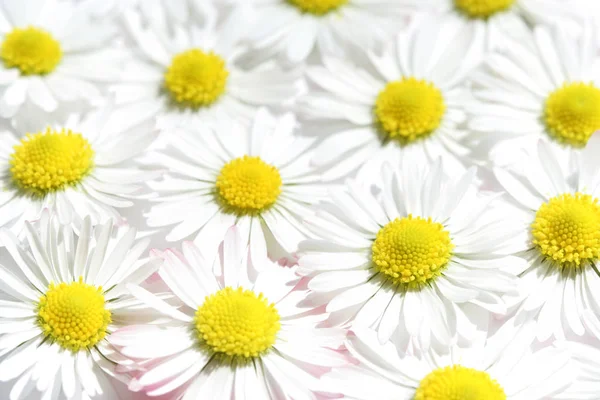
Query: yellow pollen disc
459, 383
237, 323
195, 78
318, 7
409, 109
247, 185
50, 161
567, 229
572, 113
32, 50
411, 251
482, 8
74, 315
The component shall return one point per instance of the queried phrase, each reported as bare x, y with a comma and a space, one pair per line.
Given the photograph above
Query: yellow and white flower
502, 367
258, 178
426, 260
550, 89
63, 296
408, 105
84, 167
234, 336
186, 75
558, 210
53, 53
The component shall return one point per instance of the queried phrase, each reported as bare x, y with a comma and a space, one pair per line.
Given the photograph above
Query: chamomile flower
63, 296
258, 178
234, 336
292, 29
551, 91
503, 367
191, 74
506, 18
53, 53
77, 169
427, 259
409, 106
557, 206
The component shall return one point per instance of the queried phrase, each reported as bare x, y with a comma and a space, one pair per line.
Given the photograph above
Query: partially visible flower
63, 296
52, 53
258, 178
232, 337
85, 167
502, 367
557, 211
426, 260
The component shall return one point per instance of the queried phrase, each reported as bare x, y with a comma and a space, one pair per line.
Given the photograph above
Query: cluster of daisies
300, 199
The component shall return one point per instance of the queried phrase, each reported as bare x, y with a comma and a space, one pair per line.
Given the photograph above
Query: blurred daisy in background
426, 260
291, 29
232, 337
53, 53
258, 178
190, 74
85, 167
507, 18
550, 91
63, 296
407, 104
556, 201
502, 367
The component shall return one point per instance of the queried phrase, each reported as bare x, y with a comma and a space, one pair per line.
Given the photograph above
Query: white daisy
85, 167
53, 53
292, 29
503, 367
258, 178
232, 337
408, 104
427, 258
51, 280
190, 74
558, 210
507, 18
549, 90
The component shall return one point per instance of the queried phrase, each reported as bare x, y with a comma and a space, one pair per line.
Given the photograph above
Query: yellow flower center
482, 8
247, 185
459, 383
32, 50
50, 161
567, 229
195, 78
572, 113
318, 7
411, 251
74, 315
409, 109
237, 323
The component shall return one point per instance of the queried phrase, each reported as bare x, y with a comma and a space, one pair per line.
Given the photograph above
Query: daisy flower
258, 178
556, 200
53, 53
427, 258
63, 296
292, 29
190, 74
84, 167
503, 367
506, 18
550, 90
408, 105
232, 337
